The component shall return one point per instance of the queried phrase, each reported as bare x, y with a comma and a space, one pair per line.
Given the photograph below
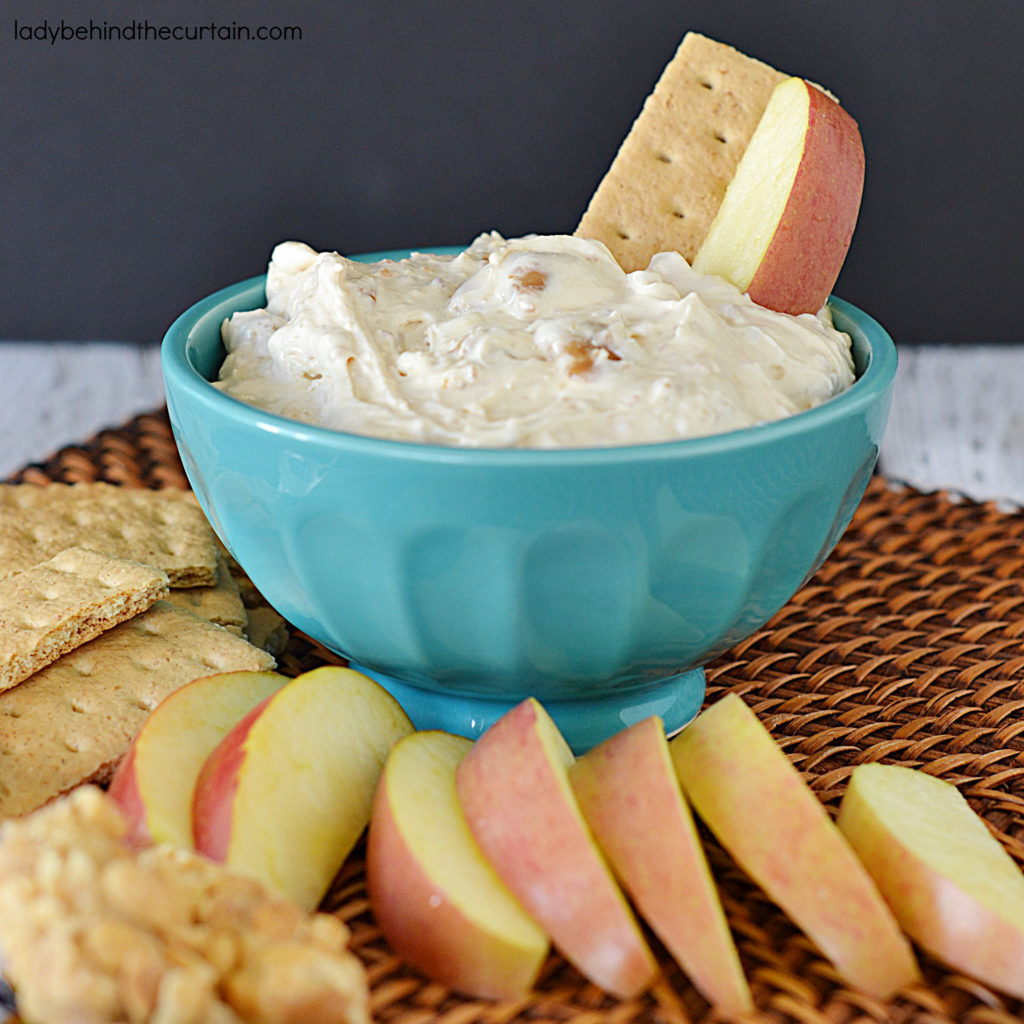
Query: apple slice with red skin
514, 788
436, 898
748, 792
787, 218
630, 796
155, 781
951, 884
287, 793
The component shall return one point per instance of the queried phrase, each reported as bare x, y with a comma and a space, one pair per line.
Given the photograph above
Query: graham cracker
668, 178
266, 629
65, 602
165, 529
251, 597
74, 720
220, 603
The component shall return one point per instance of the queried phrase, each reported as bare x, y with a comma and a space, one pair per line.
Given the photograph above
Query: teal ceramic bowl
598, 580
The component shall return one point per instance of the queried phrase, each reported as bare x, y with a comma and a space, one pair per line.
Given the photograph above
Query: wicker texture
905, 647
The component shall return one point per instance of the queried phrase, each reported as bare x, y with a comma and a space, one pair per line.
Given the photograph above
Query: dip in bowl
598, 579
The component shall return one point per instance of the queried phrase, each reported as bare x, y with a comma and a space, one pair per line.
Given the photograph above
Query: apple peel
514, 789
155, 781
436, 898
787, 218
757, 804
630, 796
287, 793
951, 884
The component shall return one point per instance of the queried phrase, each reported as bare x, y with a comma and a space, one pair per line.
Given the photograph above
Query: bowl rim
181, 375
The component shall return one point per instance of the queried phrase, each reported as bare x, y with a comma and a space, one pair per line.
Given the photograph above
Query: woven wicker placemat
905, 647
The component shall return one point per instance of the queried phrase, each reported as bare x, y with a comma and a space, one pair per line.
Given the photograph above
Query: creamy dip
534, 342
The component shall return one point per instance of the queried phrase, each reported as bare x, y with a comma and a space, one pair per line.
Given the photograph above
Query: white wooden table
957, 421
53, 394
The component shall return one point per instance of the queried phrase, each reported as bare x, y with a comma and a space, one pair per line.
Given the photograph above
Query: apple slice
755, 801
288, 791
629, 793
155, 780
514, 788
951, 884
436, 897
787, 217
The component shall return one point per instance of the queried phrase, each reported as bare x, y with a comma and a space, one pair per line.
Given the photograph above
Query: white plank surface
53, 394
957, 421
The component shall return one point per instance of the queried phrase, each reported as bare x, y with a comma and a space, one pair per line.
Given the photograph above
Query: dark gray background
140, 175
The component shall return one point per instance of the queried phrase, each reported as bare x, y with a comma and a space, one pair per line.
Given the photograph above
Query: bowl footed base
583, 723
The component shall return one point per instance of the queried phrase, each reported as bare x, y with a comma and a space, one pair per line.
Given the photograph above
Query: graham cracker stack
165, 529
65, 602
111, 598
220, 603
73, 721
668, 178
